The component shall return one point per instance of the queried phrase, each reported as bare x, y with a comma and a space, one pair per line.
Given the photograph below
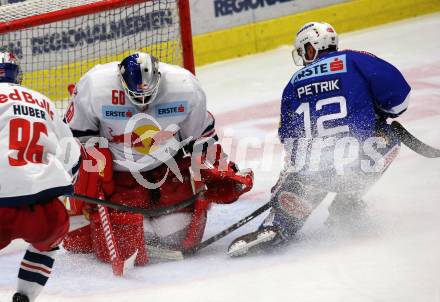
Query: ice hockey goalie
158, 147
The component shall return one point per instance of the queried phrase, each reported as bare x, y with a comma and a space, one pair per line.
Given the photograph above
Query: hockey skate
19, 297
261, 239
347, 212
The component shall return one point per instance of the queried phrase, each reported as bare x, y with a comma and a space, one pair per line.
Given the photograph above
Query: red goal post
57, 41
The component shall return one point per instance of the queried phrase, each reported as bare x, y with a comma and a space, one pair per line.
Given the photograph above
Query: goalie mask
140, 77
9, 69
311, 39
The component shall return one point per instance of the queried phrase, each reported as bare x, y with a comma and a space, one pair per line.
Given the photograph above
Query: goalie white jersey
34, 141
178, 114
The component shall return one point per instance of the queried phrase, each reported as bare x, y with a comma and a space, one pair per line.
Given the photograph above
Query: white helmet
319, 35
140, 77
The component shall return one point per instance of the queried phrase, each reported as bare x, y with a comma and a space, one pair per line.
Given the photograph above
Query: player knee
293, 205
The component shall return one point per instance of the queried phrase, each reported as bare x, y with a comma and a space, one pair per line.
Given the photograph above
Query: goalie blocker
222, 181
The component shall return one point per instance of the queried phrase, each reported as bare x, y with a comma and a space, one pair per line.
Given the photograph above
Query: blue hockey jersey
342, 94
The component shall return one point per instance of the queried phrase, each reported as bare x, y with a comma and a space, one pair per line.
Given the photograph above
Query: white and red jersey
99, 107
38, 151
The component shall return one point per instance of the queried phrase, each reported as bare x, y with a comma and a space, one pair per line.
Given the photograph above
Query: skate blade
241, 247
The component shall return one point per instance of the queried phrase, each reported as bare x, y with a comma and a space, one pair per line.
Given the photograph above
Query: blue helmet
9, 69
140, 77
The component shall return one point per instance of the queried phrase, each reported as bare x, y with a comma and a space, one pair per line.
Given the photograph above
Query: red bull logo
144, 139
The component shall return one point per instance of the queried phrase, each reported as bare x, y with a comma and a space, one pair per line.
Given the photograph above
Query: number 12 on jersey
304, 109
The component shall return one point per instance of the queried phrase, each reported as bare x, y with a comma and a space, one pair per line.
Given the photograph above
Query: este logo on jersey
171, 109
328, 66
117, 113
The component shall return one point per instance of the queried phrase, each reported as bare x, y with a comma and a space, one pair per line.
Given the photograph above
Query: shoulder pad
360, 52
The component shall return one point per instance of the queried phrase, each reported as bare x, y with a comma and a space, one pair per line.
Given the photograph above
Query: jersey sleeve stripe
209, 128
209, 134
80, 133
75, 168
205, 140
397, 110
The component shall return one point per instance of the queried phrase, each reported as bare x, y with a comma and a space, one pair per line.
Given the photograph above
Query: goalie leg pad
129, 192
198, 223
174, 190
129, 234
79, 240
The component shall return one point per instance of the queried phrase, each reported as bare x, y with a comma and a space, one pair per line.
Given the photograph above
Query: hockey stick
229, 230
145, 212
412, 142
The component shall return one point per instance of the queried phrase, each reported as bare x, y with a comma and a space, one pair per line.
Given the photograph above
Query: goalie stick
412, 142
145, 212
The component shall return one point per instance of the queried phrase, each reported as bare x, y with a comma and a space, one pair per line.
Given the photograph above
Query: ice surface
397, 258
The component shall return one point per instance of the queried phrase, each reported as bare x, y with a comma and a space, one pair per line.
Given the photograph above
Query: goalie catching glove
224, 181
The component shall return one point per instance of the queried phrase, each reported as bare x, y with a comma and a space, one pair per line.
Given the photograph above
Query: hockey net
57, 41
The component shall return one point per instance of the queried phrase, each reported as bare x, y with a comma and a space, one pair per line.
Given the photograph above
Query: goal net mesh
52, 56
